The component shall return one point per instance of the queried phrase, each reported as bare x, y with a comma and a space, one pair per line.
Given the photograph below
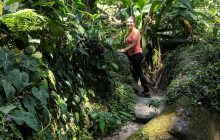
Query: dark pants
136, 61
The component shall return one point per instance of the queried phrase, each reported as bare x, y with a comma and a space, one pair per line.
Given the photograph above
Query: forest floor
142, 112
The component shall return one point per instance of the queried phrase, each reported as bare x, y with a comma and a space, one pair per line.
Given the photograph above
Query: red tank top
137, 48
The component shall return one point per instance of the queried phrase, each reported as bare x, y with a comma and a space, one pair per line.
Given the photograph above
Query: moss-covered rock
24, 20
180, 121
29, 21
195, 72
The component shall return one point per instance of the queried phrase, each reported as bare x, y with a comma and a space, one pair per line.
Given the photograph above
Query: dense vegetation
195, 72
61, 78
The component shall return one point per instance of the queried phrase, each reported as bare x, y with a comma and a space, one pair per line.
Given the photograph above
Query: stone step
143, 112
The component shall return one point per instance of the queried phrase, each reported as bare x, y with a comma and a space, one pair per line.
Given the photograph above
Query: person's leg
137, 66
135, 77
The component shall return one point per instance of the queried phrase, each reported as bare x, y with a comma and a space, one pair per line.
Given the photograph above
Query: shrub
195, 73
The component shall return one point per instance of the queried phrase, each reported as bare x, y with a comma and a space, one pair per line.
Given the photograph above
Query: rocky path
143, 113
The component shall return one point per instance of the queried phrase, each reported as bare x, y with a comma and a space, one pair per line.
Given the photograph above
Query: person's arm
135, 39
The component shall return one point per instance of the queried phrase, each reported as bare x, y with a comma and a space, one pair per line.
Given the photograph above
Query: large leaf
102, 125
29, 63
141, 3
187, 14
8, 88
29, 103
35, 41
30, 49
37, 55
180, 6
192, 16
83, 51
29, 118
7, 59
155, 6
8, 2
11, 7
41, 94
79, 28
146, 8
7, 109
126, 2
61, 103
136, 11
19, 79
186, 3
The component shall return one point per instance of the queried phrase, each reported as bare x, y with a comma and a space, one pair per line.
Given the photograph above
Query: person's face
130, 24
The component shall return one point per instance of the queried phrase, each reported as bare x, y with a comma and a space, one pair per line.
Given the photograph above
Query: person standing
135, 54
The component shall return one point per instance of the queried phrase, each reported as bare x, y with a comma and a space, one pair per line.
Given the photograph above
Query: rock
144, 113
140, 118
122, 134
180, 128
181, 121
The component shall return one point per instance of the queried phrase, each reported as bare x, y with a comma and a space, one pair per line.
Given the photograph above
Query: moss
215, 126
165, 126
156, 128
202, 117
24, 20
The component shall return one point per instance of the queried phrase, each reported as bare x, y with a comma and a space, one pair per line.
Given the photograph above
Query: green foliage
122, 102
19, 79
7, 109
16, 82
120, 97
30, 72
156, 103
104, 122
116, 66
29, 103
1, 7
7, 59
196, 75
57, 59
8, 2
208, 19
41, 94
8, 130
21, 117
24, 20
112, 72
8, 88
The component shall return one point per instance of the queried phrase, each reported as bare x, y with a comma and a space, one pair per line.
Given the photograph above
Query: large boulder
181, 121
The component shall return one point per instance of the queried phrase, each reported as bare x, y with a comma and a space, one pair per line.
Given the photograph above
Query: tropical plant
58, 58
104, 122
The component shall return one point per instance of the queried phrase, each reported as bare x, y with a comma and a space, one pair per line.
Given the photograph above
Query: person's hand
121, 50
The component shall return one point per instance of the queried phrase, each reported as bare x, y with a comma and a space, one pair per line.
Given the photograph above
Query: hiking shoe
136, 91
144, 94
